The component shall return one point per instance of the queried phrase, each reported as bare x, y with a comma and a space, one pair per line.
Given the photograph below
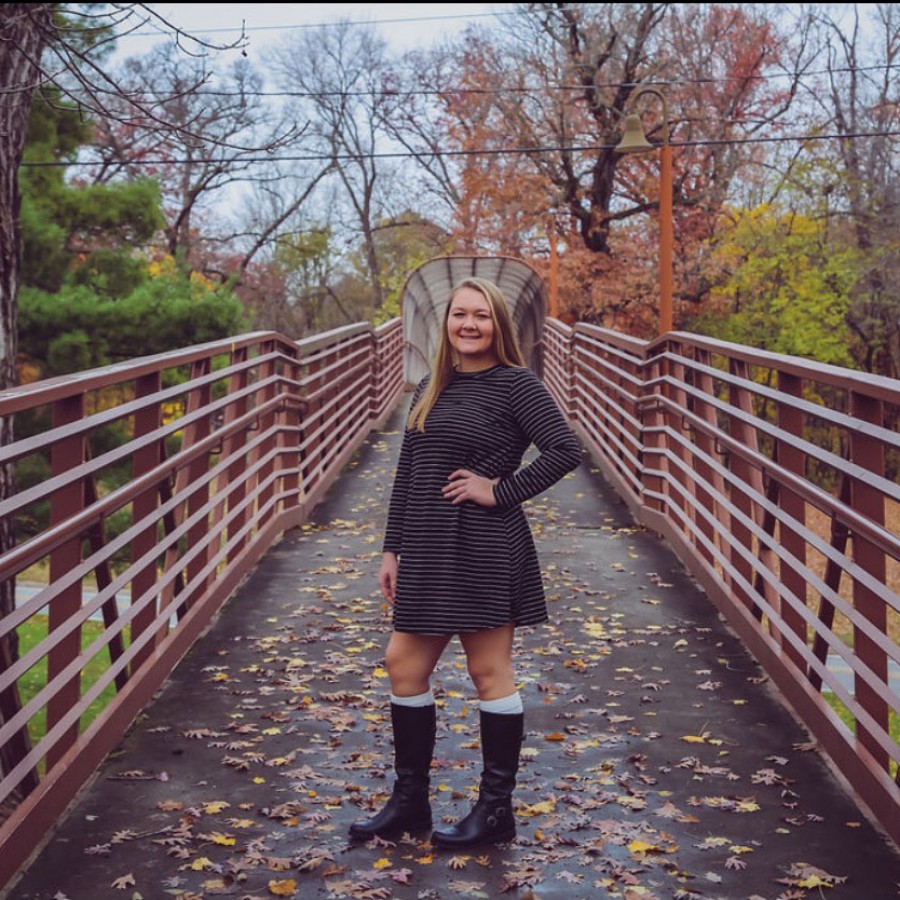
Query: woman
459, 558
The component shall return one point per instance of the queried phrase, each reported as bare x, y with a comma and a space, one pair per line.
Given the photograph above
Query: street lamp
634, 141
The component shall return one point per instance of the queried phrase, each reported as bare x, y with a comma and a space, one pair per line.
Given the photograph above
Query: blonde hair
505, 345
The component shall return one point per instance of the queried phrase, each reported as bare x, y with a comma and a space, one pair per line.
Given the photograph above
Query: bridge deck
658, 763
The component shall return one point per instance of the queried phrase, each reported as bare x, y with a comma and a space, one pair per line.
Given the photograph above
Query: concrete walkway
658, 763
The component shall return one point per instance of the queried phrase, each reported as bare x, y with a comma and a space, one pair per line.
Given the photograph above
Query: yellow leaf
201, 864
285, 887
814, 881
223, 840
694, 738
382, 863
641, 847
380, 672
259, 780
215, 806
544, 807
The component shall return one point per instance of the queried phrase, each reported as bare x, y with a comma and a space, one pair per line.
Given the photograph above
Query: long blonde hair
505, 346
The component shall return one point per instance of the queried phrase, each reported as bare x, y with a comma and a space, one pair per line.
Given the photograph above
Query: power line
578, 88
427, 154
403, 20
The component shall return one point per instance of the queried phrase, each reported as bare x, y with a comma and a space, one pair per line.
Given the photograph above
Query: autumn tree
201, 186
784, 288
535, 108
334, 79
858, 98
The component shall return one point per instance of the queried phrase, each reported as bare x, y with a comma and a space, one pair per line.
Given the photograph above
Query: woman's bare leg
489, 660
410, 660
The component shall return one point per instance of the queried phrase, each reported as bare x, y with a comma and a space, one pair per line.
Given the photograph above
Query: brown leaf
123, 881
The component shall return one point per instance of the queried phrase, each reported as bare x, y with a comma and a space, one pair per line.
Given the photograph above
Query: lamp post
634, 141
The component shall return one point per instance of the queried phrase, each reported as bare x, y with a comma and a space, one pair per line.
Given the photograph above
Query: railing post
265, 423
144, 507
790, 420
653, 440
708, 447
678, 434
744, 474
198, 398
66, 453
289, 434
867, 452
231, 449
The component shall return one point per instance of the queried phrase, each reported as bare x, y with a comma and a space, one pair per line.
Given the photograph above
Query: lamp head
633, 138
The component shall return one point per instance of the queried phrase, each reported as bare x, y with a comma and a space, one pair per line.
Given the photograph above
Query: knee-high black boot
408, 808
491, 820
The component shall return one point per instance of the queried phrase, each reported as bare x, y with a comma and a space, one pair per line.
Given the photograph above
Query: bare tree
226, 109
860, 95
334, 77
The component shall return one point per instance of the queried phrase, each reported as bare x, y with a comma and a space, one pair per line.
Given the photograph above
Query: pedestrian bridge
768, 484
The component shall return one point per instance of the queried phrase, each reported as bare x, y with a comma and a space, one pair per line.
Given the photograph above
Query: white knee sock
505, 706
426, 699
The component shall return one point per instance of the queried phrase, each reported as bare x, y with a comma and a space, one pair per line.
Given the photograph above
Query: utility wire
429, 154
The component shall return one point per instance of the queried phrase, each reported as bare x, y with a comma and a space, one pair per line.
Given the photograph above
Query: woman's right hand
387, 576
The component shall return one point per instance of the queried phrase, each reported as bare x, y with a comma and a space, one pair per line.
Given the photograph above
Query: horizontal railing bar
768, 540
869, 384
126, 451
60, 387
38, 547
825, 413
821, 499
773, 431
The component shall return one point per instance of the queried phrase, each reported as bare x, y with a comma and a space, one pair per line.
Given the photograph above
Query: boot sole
364, 834
451, 844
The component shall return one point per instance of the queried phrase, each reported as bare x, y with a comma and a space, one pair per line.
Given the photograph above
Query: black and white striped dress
470, 567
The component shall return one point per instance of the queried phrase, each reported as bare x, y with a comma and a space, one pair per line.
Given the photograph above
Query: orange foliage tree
534, 116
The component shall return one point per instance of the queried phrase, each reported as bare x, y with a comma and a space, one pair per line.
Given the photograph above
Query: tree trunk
23, 31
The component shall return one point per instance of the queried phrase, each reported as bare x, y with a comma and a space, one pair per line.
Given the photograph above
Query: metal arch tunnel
427, 293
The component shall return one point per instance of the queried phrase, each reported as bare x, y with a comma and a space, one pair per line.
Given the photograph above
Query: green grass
847, 718
31, 633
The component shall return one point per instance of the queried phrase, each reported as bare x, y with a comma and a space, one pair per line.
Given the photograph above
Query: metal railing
153, 487
148, 491
775, 480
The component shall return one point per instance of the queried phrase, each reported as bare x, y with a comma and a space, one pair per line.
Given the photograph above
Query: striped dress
469, 567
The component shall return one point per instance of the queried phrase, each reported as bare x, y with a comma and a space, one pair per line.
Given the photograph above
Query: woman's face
470, 329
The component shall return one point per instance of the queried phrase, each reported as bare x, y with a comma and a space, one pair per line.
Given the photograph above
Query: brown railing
775, 479
147, 492
150, 489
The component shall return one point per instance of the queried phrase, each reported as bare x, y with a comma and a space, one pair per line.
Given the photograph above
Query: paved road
658, 762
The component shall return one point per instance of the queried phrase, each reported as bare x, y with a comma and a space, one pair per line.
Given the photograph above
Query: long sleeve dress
468, 567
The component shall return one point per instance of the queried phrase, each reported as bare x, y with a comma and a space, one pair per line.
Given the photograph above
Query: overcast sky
404, 25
